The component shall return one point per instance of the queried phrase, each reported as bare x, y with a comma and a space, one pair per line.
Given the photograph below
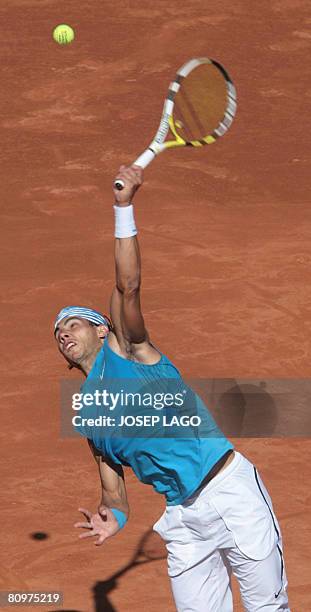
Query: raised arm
131, 335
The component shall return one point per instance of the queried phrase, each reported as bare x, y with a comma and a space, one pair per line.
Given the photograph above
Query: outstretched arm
113, 509
112, 482
126, 314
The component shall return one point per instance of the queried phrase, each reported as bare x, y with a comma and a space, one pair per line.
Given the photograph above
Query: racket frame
167, 122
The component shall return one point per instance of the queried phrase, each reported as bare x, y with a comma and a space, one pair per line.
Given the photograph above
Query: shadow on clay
150, 548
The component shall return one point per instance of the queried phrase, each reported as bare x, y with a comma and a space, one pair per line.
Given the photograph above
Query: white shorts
229, 526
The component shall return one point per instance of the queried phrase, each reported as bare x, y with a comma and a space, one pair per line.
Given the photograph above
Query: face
78, 340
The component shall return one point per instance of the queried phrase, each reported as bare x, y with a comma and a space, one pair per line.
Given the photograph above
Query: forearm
128, 265
113, 491
113, 486
127, 256
115, 499
128, 276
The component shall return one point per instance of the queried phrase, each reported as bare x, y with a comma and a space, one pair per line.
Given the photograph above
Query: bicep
127, 318
115, 314
132, 318
129, 328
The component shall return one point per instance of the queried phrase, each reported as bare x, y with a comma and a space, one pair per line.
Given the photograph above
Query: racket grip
119, 185
145, 158
143, 161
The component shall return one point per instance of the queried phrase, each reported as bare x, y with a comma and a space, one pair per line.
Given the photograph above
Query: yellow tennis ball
63, 34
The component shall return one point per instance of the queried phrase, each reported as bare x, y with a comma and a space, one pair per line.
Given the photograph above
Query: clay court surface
225, 236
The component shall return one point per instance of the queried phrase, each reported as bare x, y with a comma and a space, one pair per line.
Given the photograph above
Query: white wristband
124, 221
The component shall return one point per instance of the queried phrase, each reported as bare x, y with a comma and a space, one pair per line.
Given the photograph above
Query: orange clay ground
225, 237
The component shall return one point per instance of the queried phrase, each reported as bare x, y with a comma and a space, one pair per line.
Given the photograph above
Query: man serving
219, 517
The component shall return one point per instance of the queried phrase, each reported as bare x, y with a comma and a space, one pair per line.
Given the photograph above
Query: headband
83, 313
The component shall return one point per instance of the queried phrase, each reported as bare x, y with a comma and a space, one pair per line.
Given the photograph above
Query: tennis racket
199, 108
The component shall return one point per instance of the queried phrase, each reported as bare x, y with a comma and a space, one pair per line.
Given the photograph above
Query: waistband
237, 459
219, 477
214, 471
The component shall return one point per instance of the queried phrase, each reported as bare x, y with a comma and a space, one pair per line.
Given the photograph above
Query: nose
63, 336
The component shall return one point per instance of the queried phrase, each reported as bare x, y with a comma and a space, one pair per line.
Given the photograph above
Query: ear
102, 331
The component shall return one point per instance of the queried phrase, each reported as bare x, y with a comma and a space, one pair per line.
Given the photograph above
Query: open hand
102, 524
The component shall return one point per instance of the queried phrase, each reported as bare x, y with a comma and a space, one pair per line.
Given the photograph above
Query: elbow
129, 286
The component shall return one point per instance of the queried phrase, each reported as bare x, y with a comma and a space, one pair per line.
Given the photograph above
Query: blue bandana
83, 313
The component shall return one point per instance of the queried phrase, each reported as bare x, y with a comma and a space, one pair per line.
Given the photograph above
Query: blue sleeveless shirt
173, 459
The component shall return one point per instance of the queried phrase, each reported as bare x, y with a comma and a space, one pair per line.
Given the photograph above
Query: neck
88, 362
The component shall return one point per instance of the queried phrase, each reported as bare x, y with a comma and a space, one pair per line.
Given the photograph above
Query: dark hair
108, 321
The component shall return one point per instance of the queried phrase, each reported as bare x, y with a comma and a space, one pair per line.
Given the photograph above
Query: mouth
68, 346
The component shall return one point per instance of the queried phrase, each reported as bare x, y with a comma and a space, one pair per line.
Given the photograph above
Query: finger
103, 512
87, 534
124, 178
138, 171
83, 525
128, 175
100, 540
86, 513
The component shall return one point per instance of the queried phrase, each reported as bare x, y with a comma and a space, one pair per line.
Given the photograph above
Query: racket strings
188, 119
203, 103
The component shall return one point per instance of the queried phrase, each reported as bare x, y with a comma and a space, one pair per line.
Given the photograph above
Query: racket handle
145, 158
119, 185
143, 161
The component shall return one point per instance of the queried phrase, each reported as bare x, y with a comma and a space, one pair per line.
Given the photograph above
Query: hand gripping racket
199, 108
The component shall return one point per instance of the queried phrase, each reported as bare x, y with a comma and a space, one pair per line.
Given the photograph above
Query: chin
74, 362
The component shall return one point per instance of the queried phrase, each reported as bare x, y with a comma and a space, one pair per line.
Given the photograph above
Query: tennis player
219, 518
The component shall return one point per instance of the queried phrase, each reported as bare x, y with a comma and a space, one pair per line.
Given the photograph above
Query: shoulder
144, 352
